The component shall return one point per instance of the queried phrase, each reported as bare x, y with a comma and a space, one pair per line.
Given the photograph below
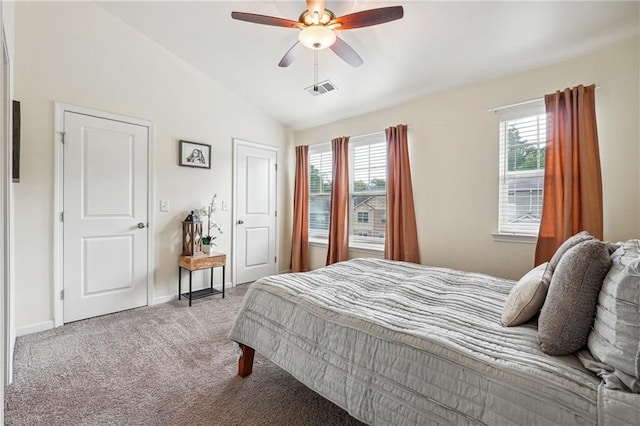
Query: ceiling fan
317, 27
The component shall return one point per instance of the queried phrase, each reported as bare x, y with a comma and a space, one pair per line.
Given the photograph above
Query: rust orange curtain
338, 245
300, 241
401, 239
572, 179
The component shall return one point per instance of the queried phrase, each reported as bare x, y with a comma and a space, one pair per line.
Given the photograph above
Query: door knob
240, 222
141, 225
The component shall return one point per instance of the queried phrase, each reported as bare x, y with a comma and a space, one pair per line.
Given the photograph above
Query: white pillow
527, 296
615, 337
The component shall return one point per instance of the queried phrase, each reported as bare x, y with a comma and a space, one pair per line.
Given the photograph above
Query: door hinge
61, 216
276, 166
275, 259
62, 294
61, 136
276, 213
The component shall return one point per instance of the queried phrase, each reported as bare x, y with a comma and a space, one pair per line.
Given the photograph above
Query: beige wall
76, 53
454, 158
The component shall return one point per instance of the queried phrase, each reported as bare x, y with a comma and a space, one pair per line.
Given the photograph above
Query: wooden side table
196, 263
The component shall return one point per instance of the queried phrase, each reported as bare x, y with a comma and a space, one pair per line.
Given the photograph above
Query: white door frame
7, 288
60, 109
236, 143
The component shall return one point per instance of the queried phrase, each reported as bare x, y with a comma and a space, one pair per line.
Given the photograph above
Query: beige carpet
162, 365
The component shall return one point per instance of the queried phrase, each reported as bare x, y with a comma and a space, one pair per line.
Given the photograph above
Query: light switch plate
164, 205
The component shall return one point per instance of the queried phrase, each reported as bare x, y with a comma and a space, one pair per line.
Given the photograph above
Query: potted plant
212, 224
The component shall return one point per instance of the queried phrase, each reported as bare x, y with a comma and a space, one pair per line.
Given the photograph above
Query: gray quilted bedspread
396, 343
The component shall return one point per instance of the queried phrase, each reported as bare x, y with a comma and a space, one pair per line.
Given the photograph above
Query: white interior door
255, 212
105, 216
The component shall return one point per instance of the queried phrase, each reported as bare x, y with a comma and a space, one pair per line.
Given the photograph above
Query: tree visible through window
522, 161
522, 154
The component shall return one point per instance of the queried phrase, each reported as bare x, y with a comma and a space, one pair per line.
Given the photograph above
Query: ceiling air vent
322, 88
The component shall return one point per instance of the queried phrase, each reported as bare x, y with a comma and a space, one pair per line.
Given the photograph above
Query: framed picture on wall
193, 154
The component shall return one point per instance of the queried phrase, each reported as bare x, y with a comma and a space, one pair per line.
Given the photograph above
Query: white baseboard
48, 325
34, 328
165, 299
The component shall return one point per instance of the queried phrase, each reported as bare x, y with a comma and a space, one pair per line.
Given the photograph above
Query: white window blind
320, 176
522, 160
368, 189
368, 174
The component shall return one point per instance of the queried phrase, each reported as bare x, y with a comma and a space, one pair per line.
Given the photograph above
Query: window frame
356, 242
519, 232
319, 149
362, 217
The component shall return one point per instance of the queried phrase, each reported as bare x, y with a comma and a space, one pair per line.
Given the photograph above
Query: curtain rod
373, 133
366, 134
530, 101
325, 144
350, 137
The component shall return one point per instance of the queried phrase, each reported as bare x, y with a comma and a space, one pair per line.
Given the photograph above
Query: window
320, 175
368, 174
522, 159
363, 217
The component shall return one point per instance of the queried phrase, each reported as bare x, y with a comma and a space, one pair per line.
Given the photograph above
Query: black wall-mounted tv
16, 141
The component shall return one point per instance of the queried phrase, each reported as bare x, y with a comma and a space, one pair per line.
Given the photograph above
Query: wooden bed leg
245, 363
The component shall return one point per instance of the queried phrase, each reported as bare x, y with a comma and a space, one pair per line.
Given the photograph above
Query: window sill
317, 242
359, 247
515, 238
367, 248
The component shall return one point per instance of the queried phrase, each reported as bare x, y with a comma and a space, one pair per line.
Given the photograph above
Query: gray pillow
566, 245
569, 309
615, 338
527, 296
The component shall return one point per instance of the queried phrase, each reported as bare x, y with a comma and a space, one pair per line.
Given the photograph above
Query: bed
396, 343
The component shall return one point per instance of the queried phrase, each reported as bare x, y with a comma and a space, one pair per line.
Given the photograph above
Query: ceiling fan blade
291, 55
315, 6
346, 52
366, 18
264, 20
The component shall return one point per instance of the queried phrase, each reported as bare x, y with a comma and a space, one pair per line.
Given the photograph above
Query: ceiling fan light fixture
317, 25
316, 18
317, 37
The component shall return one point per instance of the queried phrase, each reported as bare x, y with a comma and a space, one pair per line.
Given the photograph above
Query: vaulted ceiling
436, 46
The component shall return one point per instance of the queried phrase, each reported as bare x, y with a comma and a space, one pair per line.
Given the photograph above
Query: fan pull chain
315, 70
